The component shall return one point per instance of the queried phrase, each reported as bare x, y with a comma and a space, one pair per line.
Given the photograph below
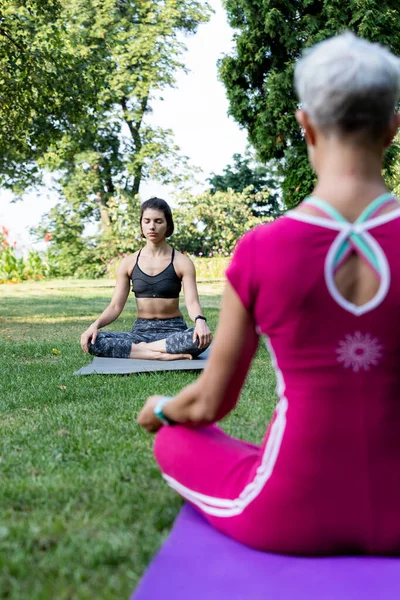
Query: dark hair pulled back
162, 206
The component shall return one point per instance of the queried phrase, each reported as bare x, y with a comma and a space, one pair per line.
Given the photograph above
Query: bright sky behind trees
196, 111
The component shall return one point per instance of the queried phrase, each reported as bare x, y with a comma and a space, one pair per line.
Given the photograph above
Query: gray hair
349, 85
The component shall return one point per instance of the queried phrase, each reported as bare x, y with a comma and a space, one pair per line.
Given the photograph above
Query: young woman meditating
322, 284
156, 274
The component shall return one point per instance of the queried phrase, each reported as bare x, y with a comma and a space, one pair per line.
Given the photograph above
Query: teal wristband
158, 411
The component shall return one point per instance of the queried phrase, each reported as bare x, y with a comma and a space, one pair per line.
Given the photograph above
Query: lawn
82, 505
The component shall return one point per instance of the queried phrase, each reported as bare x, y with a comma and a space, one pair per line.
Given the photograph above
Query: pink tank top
338, 366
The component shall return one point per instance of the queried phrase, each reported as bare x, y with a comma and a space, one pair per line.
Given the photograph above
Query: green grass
82, 505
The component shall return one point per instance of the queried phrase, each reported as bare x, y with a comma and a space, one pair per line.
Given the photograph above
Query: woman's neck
156, 249
349, 177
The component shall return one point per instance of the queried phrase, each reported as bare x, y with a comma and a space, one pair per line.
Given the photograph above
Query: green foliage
211, 269
299, 179
46, 86
392, 167
14, 269
11, 267
36, 266
67, 246
258, 75
246, 172
211, 224
80, 77
73, 253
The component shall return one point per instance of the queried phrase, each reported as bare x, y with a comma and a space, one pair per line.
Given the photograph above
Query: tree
245, 173
211, 224
73, 253
87, 72
258, 76
42, 91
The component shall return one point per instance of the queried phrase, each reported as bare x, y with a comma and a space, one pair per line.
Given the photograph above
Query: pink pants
268, 497
211, 470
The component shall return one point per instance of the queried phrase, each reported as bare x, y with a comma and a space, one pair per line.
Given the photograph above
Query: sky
195, 110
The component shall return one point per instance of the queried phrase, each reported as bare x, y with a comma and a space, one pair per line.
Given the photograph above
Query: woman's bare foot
166, 356
142, 351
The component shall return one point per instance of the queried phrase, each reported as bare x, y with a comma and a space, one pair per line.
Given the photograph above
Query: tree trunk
105, 217
137, 178
134, 128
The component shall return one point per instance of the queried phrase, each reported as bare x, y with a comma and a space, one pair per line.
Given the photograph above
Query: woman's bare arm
217, 390
114, 309
202, 331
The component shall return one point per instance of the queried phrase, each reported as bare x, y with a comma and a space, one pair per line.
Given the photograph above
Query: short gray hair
348, 84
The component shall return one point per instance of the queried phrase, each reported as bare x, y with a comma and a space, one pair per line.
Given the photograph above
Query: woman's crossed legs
151, 339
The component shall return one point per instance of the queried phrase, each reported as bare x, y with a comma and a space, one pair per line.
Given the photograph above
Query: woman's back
338, 373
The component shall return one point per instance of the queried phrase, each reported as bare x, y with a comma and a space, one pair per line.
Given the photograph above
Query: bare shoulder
183, 264
127, 263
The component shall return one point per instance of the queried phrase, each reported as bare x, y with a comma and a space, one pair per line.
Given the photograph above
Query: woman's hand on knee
202, 333
89, 336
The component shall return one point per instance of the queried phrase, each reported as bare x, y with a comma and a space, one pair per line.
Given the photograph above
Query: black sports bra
166, 284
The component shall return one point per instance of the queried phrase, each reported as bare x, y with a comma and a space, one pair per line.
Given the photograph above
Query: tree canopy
211, 224
79, 79
42, 91
269, 37
245, 173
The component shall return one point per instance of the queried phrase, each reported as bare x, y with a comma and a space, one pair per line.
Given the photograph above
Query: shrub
210, 268
211, 224
14, 269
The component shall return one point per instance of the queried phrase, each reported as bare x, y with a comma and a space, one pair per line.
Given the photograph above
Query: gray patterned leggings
117, 344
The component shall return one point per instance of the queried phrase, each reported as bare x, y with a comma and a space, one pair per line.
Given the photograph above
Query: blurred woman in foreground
326, 479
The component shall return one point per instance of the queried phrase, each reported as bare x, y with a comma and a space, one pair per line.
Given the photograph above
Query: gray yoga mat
125, 366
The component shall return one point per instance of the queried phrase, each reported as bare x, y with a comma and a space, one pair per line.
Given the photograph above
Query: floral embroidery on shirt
359, 351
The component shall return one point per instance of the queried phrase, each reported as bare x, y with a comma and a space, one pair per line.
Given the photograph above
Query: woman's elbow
116, 308
204, 413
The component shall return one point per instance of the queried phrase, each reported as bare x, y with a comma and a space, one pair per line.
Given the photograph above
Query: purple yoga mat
198, 563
